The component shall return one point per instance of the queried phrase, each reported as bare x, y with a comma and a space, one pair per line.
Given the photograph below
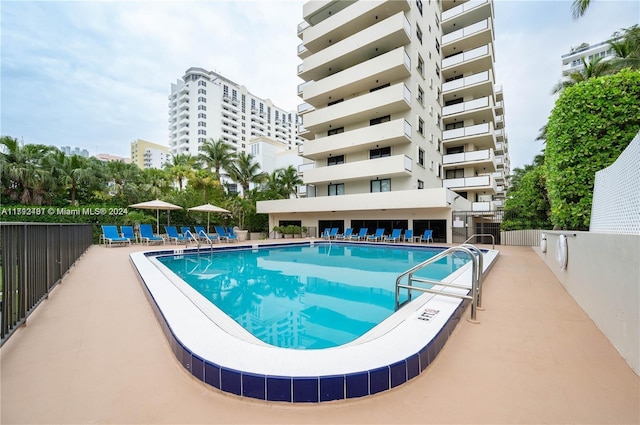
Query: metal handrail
475, 280
493, 239
192, 236
478, 275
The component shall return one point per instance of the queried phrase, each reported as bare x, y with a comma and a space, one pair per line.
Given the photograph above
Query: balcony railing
470, 105
483, 155
465, 131
462, 8
466, 31
466, 81
478, 181
465, 56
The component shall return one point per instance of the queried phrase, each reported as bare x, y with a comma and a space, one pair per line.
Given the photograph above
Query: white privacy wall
616, 194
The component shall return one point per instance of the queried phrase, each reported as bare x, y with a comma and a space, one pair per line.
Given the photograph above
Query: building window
202, 99
438, 121
453, 101
201, 140
437, 21
336, 189
437, 70
420, 126
335, 160
453, 125
202, 115
202, 108
383, 185
225, 90
202, 91
202, 124
421, 156
420, 184
380, 120
419, 4
437, 46
379, 153
335, 131
419, 33
455, 174
456, 149
202, 83
420, 66
203, 132
334, 102
420, 95
234, 94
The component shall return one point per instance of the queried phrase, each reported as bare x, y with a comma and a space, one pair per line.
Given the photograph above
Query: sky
97, 74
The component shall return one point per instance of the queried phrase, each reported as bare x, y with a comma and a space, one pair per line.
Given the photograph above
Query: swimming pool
306, 297
218, 351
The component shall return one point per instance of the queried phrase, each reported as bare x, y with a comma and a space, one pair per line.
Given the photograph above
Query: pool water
306, 297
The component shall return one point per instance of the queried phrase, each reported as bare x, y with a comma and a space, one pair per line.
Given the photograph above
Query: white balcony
484, 78
482, 206
498, 91
391, 66
305, 167
470, 105
388, 167
351, 20
485, 183
499, 107
316, 11
384, 36
303, 52
304, 107
390, 133
473, 59
499, 203
386, 101
463, 8
482, 158
470, 30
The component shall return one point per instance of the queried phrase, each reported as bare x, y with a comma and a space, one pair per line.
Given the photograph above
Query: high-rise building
149, 155
68, 150
403, 121
205, 105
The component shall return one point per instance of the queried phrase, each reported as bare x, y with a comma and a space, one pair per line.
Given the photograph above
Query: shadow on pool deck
94, 353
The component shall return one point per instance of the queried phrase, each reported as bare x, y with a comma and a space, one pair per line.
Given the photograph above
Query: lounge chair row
127, 236
379, 235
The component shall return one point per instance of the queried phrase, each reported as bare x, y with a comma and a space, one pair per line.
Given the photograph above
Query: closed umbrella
157, 205
208, 208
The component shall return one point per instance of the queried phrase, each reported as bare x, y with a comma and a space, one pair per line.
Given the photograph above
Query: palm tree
181, 168
23, 176
579, 8
596, 68
245, 171
71, 171
290, 180
626, 48
217, 155
156, 181
203, 180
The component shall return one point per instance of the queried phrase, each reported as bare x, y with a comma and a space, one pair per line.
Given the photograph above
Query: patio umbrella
208, 208
157, 205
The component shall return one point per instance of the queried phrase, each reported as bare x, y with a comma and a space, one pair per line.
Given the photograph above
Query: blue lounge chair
127, 232
333, 233
110, 236
231, 235
361, 235
427, 236
408, 235
377, 236
203, 235
224, 236
146, 235
395, 236
187, 232
346, 235
326, 232
172, 234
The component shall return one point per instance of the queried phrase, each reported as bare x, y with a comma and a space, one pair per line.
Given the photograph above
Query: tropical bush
591, 123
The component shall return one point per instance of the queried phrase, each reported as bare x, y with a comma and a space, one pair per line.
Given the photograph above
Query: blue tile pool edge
296, 389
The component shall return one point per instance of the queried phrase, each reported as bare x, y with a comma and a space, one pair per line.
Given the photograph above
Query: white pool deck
95, 353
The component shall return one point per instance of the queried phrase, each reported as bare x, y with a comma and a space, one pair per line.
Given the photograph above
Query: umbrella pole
158, 221
208, 215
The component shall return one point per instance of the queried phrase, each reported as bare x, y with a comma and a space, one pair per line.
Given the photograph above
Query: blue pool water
306, 297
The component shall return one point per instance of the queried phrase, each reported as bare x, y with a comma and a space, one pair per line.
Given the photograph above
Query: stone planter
242, 234
255, 236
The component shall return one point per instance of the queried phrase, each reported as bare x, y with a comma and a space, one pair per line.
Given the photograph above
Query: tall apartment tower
205, 105
401, 114
572, 61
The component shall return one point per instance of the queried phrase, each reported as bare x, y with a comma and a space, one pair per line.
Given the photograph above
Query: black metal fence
35, 256
520, 232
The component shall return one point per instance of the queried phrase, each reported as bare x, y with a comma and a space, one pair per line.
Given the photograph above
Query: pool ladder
476, 279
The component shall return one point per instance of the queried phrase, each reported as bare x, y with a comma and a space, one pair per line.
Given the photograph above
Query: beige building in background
149, 155
402, 120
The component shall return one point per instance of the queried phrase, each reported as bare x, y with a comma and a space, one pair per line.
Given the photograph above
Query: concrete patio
94, 353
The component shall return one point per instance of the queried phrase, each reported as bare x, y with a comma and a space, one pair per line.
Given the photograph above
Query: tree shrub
590, 125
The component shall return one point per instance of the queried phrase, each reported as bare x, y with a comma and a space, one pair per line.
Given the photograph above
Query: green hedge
590, 125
